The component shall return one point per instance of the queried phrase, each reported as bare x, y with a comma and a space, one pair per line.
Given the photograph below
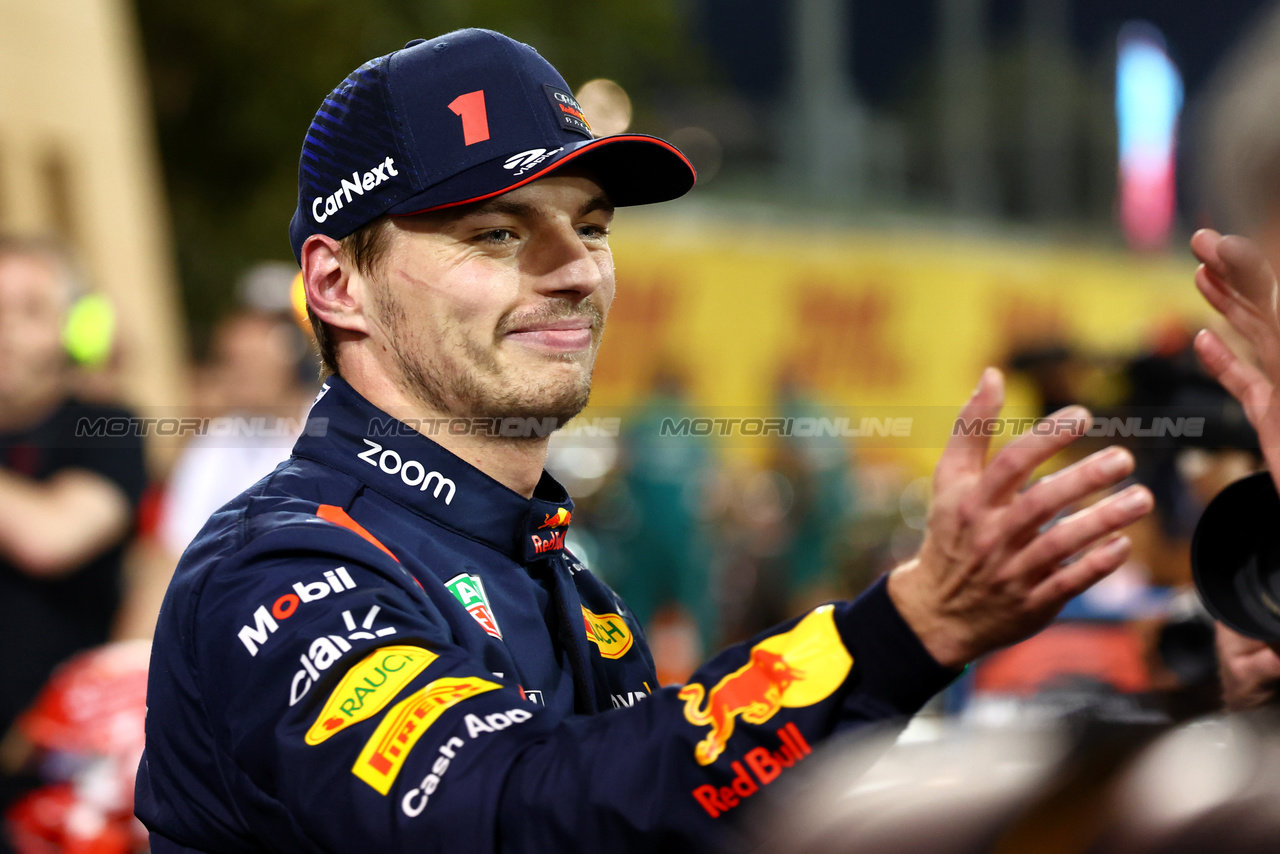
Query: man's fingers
1236, 264
1257, 322
1246, 383
1009, 471
1070, 581
1247, 270
1237, 281
966, 451
1204, 245
1232, 644
1051, 494
1042, 556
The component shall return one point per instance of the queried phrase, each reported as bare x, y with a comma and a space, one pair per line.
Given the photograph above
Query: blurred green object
89, 330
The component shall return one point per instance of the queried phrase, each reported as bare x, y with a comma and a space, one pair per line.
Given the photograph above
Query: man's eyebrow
597, 203
506, 207
502, 206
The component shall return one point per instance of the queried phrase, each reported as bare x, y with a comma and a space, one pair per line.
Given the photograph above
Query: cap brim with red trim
633, 169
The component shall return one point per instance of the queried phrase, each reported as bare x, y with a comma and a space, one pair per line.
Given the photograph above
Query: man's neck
516, 464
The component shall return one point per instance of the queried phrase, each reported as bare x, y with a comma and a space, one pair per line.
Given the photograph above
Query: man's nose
565, 266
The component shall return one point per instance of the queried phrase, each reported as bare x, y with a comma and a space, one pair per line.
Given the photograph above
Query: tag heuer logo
469, 590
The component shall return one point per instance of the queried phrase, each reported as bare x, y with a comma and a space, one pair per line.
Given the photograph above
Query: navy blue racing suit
379, 648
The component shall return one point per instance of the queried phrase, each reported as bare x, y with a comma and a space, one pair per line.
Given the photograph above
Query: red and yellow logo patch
385, 752
796, 668
367, 688
608, 632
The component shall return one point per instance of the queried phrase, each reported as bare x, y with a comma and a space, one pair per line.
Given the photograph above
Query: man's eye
594, 231
497, 235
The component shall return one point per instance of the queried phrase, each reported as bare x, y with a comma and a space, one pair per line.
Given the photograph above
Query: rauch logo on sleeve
367, 687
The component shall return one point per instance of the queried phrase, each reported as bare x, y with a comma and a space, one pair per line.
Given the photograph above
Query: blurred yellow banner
895, 319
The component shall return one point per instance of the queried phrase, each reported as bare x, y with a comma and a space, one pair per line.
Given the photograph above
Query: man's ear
335, 290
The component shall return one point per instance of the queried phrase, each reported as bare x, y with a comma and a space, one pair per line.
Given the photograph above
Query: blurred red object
53, 820
88, 728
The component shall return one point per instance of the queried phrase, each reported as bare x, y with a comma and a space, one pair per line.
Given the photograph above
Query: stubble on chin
460, 379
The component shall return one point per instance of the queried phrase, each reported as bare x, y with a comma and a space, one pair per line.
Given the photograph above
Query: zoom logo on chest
411, 472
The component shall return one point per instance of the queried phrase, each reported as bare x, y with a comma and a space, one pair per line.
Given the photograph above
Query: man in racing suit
384, 645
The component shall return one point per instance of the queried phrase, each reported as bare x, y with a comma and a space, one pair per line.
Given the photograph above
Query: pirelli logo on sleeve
384, 754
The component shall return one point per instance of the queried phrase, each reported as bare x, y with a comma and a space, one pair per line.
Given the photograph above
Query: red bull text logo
551, 542
798, 668
765, 765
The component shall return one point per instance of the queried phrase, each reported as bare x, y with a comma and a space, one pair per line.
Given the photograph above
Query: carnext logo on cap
384, 171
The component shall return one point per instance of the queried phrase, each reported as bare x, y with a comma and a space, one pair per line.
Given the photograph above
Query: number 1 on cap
475, 121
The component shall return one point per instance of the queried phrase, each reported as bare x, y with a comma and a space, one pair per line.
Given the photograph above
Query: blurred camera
1235, 557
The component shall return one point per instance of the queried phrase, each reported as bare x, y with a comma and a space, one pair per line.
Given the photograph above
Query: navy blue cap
457, 119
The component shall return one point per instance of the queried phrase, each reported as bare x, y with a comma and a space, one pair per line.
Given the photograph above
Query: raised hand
987, 575
1237, 281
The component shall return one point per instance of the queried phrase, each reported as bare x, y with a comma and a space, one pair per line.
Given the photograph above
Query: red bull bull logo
558, 519
798, 668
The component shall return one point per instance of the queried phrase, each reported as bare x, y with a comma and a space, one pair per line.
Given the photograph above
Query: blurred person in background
788, 522
823, 504
67, 500
666, 580
253, 387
